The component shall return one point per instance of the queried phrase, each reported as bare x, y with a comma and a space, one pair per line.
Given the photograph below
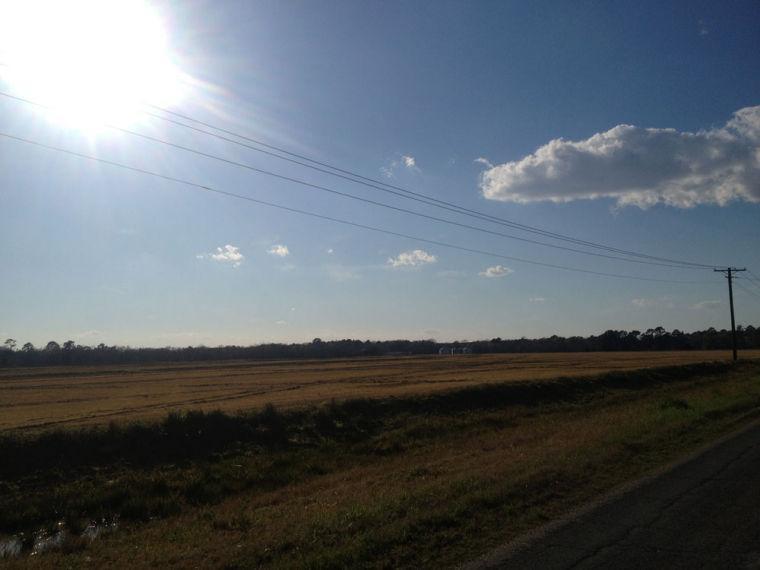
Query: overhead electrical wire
753, 278
395, 190
748, 291
372, 183
750, 282
334, 219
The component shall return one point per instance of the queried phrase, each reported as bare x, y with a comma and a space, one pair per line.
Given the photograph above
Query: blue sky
412, 94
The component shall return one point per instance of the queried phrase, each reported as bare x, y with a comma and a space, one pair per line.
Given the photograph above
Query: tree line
71, 353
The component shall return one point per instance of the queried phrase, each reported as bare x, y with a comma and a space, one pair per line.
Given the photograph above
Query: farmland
43, 398
416, 480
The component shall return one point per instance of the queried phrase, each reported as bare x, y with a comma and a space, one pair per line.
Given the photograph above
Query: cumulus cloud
639, 166
702, 305
496, 271
225, 254
412, 258
406, 161
279, 250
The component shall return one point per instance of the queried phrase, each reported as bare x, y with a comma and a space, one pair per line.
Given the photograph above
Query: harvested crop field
39, 398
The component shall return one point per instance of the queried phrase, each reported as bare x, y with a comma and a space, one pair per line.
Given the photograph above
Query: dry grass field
42, 398
426, 481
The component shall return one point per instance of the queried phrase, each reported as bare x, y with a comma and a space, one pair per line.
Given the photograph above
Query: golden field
427, 483
40, 398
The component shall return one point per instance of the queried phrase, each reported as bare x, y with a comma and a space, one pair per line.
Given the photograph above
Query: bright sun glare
93, 61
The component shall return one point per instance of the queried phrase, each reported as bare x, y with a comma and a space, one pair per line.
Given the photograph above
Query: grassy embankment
415, 481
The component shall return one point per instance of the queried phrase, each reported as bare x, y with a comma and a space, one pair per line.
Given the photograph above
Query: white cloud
330, 251
639, 166
88, 334
645, 303
342, 273
279, 250
406, 161
413, 258
496, 271
226, 254
537, 300
281, 322
702, 305
484, 161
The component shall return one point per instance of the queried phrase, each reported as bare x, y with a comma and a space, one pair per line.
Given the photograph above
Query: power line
748, 291
753, 278
395, 190
750, 282
369, 201
372, 183
333, 219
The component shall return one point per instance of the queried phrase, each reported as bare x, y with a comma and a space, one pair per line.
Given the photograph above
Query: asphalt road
703, 512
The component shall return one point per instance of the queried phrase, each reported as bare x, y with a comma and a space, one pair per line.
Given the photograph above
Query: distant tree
10, 344
69, 345
28, 347
52, 346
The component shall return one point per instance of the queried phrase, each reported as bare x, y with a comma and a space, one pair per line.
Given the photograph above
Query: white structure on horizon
452, 350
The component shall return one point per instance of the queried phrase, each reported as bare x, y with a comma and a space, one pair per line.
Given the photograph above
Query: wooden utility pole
729, 273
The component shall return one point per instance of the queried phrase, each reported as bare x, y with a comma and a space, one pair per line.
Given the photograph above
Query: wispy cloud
484, 161
412, 258
451, 273
405, 161
639, 166
496, 271
645, 303
279, 250
703, 305
225, 254
342, 273
88, 334
537, 300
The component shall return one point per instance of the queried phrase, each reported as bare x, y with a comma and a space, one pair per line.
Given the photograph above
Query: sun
93, 61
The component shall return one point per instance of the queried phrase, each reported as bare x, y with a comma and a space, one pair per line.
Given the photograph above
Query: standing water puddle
10, 547
45, 540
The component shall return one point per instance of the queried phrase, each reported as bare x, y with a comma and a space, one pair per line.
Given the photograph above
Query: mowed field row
38, 398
